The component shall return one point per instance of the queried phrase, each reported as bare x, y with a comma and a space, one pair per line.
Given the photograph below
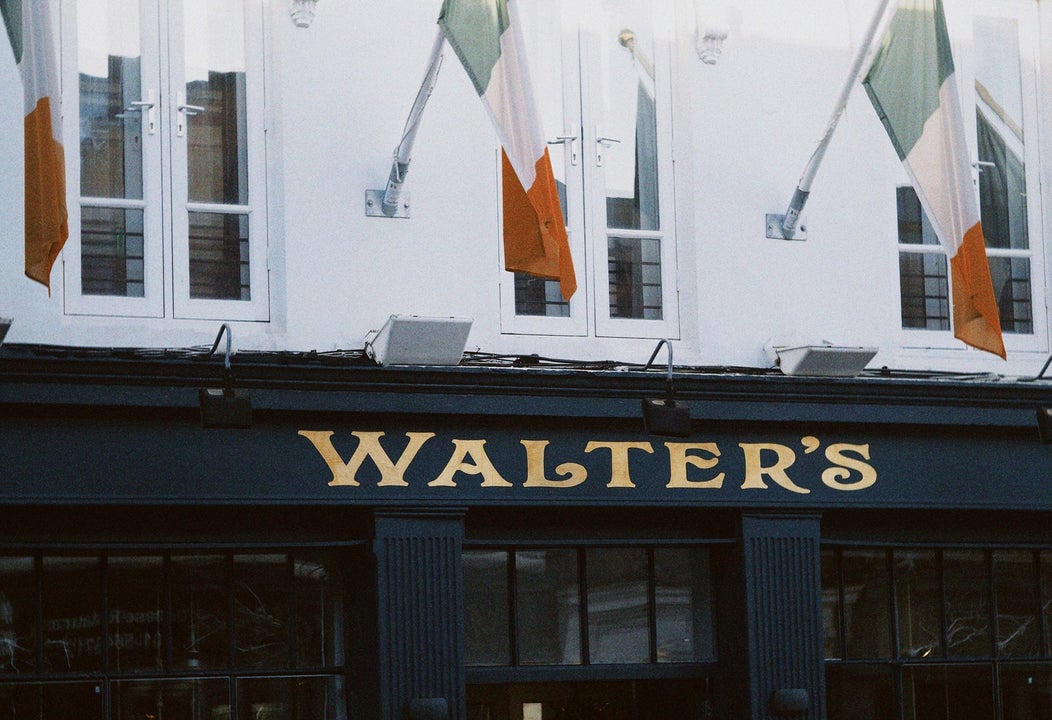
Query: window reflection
17, 615
917, 597
967, 603
547, 607
199, 612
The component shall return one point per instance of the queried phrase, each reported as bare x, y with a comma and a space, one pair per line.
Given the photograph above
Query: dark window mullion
1044, 596
582, 602
168, 637
290, 614
38, 630
897, 676
513, 596
991, 613
104, 572
838, 568
651, 605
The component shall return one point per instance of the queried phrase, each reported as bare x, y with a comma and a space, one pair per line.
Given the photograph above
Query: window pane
18, 600
51, 701
215, 81
72, 614
261, 604
108, 60
1011, 281
963, 693
112, 260
538, 296
1026, 692
138, 699
199, 612
1046, 596
918, 599
867, 602
319, 613
967, 603
618, 607
547, 604
219, 256
831, 605
629, 116
290, 698
1018, 623
635, 278
859, 692
914, 226
136, 605
486, 618
925, 291
683, 611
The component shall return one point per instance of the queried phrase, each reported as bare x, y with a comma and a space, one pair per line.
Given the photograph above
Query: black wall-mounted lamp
225, 407
666, 416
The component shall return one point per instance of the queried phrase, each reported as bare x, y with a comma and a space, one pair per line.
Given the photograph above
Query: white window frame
164, 204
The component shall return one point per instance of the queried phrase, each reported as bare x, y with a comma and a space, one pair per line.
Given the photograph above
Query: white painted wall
339, 93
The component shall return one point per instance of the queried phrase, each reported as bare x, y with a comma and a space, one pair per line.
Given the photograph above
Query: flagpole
783, 227
392, 201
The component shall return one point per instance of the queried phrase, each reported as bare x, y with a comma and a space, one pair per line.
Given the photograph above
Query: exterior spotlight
225, 407
666, 416
415, 340
1044, 425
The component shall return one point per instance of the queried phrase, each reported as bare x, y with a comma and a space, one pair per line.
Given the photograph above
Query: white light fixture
5, 325
824, 360
302, 12
416, 340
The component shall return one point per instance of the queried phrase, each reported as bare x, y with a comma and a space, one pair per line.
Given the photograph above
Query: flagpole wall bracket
776, 231
375, 207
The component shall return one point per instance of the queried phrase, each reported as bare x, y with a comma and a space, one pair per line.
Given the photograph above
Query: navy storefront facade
500, 542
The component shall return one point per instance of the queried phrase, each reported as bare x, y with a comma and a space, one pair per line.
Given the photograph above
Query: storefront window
252, 636
964, 618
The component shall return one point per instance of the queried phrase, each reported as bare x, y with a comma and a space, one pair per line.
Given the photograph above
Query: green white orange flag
46, 227
487, 37
913, 88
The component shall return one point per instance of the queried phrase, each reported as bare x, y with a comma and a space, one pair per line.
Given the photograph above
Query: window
938, 632
602, 82
223, 636
167, 201
564, 627
997, 70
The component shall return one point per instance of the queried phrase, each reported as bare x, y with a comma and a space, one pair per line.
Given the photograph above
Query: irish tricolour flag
912, 86
487, 38
29, 29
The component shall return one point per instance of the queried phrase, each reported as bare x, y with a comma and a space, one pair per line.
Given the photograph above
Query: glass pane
18, 600
72, 614
1046, 596
618, 607
547, 604
217, 152
319, 613
629, 116
1026, 692
538, 296
914, 226
831, 605
486, 618
219, 256
1018, 622
959, 693
859, 692
136, 605
157, 699
290, 698
199, 612
867, 602
51, 701
999, 119
918, 600
261, 606
635, 278
112, 260
925, 291
108, 60
683, 605
1011, 280
967, 603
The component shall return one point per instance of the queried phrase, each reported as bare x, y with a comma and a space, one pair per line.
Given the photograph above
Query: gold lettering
845, 464
391, 473
535, 468
755, 469
679, 459
619, 472
476, 450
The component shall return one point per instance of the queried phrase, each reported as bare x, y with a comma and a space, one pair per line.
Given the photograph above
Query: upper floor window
167, 201
601, 77
997, 67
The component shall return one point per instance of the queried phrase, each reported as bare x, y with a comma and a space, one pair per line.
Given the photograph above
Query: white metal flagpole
783, 227
391, 202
